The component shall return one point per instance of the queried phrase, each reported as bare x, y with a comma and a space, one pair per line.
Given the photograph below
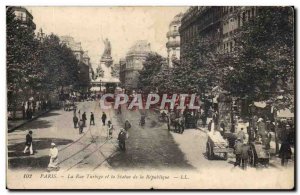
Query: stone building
219, 23
135, 57
173, 44
200, 22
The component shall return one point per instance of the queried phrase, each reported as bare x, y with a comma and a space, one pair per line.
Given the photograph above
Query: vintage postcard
195, 97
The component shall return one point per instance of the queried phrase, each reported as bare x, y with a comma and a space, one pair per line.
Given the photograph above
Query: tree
263, 62
23, 64
198, 70
60, 65
151, 67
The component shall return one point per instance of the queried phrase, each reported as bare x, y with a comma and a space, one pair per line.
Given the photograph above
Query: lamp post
100, 85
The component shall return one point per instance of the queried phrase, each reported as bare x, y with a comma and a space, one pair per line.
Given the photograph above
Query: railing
173, 33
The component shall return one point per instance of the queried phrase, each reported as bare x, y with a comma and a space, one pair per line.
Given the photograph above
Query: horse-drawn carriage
175, 123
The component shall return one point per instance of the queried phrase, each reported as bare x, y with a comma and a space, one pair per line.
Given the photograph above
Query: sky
123, 26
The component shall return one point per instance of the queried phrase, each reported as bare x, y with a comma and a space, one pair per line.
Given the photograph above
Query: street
149, 147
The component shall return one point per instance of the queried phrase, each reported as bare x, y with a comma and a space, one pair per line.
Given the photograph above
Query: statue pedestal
107, 61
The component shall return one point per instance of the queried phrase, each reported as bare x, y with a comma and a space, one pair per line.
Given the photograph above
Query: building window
253, 12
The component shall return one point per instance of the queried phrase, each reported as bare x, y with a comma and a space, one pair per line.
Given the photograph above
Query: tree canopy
263, 62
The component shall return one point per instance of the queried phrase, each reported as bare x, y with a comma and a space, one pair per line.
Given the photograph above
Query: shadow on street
17, 159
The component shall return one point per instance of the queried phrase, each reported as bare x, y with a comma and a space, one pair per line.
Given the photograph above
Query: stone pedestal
107, 61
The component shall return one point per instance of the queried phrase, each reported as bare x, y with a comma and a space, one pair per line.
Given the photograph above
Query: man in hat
53, 153
28, 143
84, 118
103, 118
123, 135
75, 121
92, 119
238, 151
245, 153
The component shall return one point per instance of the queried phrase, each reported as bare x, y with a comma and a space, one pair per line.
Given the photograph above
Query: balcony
173, 44
173, 33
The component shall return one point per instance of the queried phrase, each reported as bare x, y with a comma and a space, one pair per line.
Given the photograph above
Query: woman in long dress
53, 163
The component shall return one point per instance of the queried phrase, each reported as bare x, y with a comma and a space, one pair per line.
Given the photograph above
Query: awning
285, 113
98, 88
260, 104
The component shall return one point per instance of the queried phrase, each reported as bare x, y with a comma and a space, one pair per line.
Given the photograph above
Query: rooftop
140, 47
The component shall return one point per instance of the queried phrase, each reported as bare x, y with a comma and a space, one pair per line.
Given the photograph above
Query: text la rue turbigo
139, 102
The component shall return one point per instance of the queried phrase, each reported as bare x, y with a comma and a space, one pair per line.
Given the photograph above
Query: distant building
135, 57
83, 59
23, 15
173, 44
122, 71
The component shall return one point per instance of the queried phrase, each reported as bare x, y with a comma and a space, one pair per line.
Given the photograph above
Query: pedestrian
123, 135
75, 121
80, 125
28, 143
84, 119
75, 108
103, 118
127, 125
53, 153
241, 135
110, 129
285, 152
245, 154
238, 151
92, 119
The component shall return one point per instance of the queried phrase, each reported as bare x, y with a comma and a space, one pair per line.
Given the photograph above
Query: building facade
135, 58
232, 19
215, 22
200, 22
24, 16
173, 44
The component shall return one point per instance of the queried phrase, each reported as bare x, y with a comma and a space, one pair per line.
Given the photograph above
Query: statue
107, 49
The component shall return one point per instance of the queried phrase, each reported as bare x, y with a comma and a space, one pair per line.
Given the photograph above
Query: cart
258, 154
216, 145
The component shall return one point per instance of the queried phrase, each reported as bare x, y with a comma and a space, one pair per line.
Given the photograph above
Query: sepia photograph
150, 97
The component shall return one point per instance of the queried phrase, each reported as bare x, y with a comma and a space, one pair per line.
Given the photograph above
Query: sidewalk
14, 124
